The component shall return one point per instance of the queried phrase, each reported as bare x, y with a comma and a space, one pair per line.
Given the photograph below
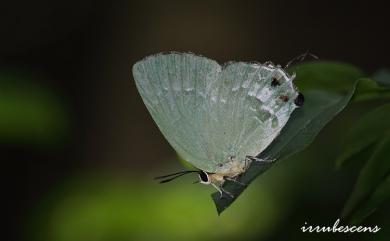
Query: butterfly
217, 118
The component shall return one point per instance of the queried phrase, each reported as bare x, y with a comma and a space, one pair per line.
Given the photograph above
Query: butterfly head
204, 177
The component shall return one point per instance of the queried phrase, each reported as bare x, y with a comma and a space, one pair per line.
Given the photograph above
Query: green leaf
328, 87
378, 197
365, 132
336, 76
376, 87
368, 89
368, 139
325, 75
372, 185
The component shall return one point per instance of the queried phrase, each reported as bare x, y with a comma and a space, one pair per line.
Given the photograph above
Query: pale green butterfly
218, 118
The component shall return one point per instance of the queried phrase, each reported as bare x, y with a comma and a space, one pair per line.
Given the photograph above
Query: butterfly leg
218, 189
247, 162
222, 191
235, 180
253, 158
228, 193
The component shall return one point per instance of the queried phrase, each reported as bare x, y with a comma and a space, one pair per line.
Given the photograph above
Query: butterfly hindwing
258, 110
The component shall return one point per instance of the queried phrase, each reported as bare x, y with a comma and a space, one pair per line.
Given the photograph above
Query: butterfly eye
203, 176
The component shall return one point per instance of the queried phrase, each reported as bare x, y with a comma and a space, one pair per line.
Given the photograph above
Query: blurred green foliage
114, 206
368, 129
30, 113
118, 207
372, 185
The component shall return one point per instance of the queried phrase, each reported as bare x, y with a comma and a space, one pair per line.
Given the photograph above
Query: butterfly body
231, 169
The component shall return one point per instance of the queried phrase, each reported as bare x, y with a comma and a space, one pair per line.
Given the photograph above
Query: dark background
79, 55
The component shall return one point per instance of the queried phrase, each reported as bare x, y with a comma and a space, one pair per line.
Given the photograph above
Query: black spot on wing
275, 82
284, 98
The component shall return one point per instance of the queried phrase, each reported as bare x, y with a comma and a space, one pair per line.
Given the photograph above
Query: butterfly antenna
300, 58
173, 176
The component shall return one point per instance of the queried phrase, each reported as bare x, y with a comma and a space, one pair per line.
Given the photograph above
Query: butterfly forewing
173, 87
